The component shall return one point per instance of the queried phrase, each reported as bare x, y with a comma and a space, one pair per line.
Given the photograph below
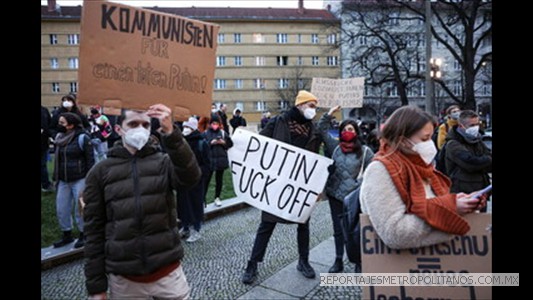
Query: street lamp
435, 73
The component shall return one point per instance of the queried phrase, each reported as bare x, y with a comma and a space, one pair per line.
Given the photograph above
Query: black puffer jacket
130, 212
218, 154
467, 163
72, 161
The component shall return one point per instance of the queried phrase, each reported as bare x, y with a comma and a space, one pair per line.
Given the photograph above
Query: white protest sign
276, 177
344, 92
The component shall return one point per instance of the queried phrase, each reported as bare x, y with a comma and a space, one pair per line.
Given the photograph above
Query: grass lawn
50, 231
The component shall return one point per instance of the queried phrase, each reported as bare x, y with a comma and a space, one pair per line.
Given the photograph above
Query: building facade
374, 31
263, 55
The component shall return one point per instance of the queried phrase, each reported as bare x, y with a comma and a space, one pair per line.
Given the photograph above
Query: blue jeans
67, 194
100, 150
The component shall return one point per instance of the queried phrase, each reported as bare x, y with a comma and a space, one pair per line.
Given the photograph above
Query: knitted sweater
382, 202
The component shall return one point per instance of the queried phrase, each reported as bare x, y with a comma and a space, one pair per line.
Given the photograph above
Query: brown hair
402, 124
451, 107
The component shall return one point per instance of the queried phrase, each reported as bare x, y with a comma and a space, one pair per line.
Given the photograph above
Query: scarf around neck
408, 172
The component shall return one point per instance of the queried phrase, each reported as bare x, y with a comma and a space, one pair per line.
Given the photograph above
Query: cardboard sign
132, 58
276, 177
471, 253
344, 92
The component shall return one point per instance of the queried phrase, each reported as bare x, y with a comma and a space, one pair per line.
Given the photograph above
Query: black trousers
218, 182
336, 210
263, 236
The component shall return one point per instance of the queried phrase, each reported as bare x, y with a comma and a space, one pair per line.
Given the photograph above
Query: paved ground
214, 264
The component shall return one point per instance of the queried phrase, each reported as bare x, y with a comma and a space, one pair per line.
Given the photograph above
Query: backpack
435, 135
351, 229
440, 160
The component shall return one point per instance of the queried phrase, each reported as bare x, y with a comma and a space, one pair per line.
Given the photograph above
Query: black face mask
94, 111
61, 128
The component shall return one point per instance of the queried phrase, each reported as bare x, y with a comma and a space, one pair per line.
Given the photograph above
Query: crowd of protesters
127, 167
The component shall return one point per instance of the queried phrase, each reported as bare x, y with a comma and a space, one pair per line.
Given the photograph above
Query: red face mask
348, 136
215, 127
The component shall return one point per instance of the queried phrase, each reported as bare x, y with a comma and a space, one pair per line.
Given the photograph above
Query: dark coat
130, 212
278, 128
218, 154
72, 163
46, 119
467, 163
237, 121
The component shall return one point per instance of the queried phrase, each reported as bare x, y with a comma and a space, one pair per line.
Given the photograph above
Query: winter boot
337, 267
80, 242
249, 275
67, 239
305, 268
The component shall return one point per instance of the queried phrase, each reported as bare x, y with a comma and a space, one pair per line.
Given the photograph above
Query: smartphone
483, 191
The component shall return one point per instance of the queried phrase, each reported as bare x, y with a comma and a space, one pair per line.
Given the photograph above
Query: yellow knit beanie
304, 96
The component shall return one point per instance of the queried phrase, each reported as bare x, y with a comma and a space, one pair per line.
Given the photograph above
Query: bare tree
383, 52
463, 27
296, 82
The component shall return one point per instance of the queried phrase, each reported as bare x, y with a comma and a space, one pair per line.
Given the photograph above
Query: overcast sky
315, 4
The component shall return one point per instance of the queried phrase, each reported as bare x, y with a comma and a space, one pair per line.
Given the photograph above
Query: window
239, 105
314, 60
456, 65
299, 38
422, 88
237, 38
421, 40
258, 38
487, 88
281, 38
221, 38
394, 19
332, 38
487, 41
457, 88
55, 87
73, 62
392, 91
260, 106
314, 38
238, 60
283, 83
363, 40
53, 39
421, 65
221, 61
259, 60
368, 90
259, 83
73, 87
411, 91
238, 83
300, 61
283, 60
283, 105
73, 39
220, 84
301, 83
54, 63
332, 60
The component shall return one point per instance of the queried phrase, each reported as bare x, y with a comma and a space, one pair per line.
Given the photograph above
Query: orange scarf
408, 172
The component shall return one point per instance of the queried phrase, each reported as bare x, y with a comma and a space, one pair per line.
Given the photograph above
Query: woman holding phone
408, 201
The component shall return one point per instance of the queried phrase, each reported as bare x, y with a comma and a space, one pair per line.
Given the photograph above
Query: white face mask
214, 110
186, 131
426, 150
309, 113
473, 131
455, 115
67, 104
137, 137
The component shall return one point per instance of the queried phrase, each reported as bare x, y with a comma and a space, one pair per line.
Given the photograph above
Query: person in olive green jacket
132, 241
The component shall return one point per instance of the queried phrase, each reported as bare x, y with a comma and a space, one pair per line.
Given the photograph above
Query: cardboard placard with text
344, 92
132, 58
276, 177
471, 253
